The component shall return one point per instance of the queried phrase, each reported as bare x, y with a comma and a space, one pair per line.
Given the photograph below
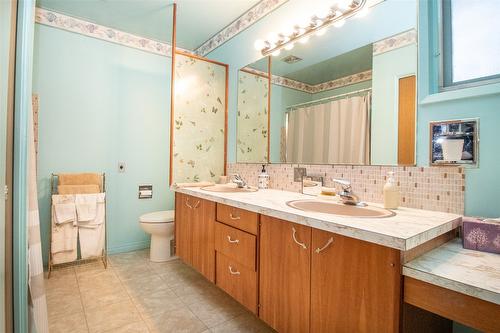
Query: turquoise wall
388, 68
101, 104
281, 98
482, 190
390, 17
5, 30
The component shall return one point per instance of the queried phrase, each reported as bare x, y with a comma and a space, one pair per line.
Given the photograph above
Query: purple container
481, 235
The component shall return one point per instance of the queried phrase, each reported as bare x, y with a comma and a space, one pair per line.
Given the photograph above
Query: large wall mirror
345, 97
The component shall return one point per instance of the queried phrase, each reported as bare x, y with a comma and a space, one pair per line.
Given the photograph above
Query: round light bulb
339, 23
362, 13
259, 44
272, 38
289, 46
276, 53
344, 4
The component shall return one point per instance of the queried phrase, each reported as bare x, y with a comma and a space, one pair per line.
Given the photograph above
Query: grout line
81, 300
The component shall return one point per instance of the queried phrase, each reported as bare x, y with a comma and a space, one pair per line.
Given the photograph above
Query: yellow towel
78, 189
80, 179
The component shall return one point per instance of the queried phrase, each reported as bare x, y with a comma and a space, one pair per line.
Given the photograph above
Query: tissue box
481, 235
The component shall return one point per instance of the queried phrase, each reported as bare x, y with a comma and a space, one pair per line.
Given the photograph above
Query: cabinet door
355, 285
202, 228
183, 228
284, 287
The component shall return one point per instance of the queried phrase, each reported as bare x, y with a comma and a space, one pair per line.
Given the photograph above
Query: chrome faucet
238, 180
347, 196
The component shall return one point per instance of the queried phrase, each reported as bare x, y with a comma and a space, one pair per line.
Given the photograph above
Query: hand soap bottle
263, 178
391, 192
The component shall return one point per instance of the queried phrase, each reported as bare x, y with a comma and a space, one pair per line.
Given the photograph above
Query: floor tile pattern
135, 295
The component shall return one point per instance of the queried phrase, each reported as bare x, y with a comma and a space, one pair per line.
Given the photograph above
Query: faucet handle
346, 185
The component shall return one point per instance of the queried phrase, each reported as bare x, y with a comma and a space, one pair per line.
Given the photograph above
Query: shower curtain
330, 133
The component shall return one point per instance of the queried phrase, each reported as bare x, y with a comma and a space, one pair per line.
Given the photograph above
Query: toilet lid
158, 217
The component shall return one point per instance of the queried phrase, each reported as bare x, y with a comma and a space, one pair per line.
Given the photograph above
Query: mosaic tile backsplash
430, 188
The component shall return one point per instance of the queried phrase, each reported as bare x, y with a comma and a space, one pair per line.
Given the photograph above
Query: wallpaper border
395, 42
90, 29
243, 22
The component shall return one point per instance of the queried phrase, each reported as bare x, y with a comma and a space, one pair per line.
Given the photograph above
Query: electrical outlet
298, 173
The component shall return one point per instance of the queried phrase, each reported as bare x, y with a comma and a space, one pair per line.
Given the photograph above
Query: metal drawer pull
195, 205
295, 239
233, 217
232, 240
233, 272
330, 241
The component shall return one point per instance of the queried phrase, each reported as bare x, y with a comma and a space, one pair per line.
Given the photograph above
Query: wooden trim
186, 54
172, 93
254, 73
9, 172
465, 309
269, 79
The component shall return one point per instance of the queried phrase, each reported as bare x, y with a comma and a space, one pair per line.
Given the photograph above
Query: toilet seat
164, 216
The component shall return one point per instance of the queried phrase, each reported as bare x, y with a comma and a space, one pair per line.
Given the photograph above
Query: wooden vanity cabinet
194, 233
284, 284
316, 281
355, 285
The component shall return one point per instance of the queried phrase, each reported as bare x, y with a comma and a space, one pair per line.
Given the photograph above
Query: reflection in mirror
253, 113
349, 95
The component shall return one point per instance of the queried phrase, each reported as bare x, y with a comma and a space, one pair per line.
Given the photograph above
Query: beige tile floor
136, 295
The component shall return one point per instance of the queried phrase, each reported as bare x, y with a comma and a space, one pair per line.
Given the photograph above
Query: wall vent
291, 59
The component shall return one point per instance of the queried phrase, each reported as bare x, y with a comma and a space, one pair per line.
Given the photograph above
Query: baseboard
129, 247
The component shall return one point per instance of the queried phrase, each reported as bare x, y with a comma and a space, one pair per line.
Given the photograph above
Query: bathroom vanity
305, 271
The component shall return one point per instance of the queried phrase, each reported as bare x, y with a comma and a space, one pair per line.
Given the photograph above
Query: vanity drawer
236, 244
237, 280
239, 218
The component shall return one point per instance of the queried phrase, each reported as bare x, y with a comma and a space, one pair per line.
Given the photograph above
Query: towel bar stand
104, 255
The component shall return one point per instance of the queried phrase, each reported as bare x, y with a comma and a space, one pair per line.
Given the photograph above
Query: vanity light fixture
334, 15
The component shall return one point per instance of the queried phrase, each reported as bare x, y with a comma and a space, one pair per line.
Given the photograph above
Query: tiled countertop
406, 230
465, 271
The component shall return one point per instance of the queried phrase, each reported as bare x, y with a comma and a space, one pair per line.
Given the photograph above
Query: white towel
64, 235
65, 212
92, 233
86, 206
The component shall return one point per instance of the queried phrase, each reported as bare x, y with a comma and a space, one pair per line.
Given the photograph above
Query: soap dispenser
263, 178
391, 192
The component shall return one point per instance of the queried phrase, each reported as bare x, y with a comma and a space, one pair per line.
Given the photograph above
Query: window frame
446, 57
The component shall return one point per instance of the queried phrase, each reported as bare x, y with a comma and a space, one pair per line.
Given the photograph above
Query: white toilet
161, 227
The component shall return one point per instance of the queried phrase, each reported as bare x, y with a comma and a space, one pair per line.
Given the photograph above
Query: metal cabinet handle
232, 240
295, 239
330, 241
233, 272
195, 205
234, 217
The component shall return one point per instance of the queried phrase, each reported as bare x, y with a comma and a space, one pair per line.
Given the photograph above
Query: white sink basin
320, 206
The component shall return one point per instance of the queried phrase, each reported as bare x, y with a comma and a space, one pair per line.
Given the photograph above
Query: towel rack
54, 183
